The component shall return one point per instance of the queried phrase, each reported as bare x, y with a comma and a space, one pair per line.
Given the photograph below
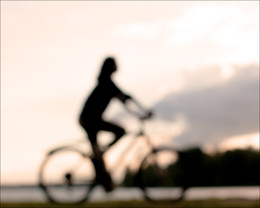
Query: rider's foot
109, 187
103, 177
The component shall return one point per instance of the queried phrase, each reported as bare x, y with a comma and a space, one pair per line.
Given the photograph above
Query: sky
194, 63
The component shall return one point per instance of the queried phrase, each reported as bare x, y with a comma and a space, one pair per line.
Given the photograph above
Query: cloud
216, 112
140, 30
202, 21
205, 33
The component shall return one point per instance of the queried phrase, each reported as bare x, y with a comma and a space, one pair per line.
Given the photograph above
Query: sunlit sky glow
51, 53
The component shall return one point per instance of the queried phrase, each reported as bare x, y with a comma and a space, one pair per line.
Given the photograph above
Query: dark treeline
196, 168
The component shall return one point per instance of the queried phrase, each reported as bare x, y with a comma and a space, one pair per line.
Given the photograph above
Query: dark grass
210, 203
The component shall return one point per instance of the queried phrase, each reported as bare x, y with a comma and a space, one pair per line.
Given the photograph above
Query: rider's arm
124, 98
119, 94
137, 109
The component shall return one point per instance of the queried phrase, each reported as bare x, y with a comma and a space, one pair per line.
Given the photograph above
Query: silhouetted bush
196, 168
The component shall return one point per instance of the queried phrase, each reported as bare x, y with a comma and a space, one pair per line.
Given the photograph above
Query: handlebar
148, 114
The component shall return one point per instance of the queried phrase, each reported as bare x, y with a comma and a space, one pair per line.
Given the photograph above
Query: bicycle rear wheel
67, 176
158, 175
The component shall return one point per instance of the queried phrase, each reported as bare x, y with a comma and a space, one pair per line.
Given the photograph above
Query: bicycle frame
130, 147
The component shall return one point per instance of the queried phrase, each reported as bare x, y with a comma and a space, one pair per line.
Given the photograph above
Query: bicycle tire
156, 176
67, 176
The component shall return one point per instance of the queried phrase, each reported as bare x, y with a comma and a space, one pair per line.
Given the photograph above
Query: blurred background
195, 64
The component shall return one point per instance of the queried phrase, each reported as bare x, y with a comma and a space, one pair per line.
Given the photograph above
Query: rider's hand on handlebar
148, 115
128, 97
125, 98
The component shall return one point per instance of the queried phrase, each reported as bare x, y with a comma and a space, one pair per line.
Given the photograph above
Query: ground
210, 203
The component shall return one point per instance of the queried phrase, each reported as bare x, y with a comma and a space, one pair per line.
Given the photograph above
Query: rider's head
108, 67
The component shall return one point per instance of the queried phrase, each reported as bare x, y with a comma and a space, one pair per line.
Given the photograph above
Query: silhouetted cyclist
91, 116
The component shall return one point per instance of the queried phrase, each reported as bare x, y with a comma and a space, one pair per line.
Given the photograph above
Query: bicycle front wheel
158, 175
67, 176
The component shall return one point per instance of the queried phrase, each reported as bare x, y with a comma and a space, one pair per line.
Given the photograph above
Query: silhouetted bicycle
68, 175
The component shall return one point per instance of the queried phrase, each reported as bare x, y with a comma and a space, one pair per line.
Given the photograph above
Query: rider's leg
92, 136
102, 175
117, 130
